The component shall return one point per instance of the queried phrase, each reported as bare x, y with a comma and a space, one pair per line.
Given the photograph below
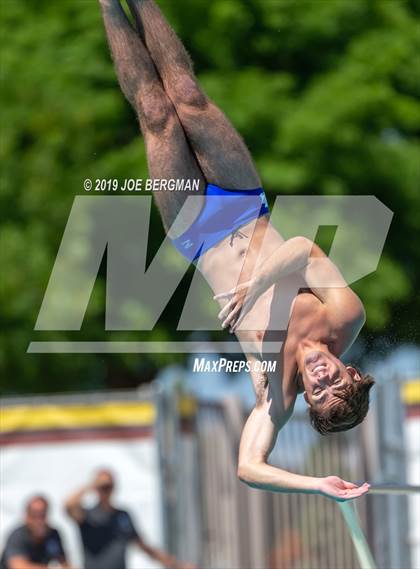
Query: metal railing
246, 528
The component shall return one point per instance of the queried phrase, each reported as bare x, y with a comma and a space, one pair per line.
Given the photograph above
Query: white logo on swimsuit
263, 199
187, 244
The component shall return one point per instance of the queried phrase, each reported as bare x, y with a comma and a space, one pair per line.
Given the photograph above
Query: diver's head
337, 395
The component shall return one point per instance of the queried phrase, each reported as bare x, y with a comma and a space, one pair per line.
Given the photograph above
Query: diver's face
324, 377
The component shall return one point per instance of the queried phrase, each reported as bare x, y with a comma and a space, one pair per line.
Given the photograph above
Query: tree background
325, 93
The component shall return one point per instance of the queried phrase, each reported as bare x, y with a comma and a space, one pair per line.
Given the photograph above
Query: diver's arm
297, 255
292, 256
328, 284
257, 441
258, 438
300, 254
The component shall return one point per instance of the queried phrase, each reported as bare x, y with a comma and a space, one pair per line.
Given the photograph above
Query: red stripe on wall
71, 435
84, 434
412, 411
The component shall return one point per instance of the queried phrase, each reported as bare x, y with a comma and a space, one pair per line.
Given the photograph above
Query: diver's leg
220, 151
168, 152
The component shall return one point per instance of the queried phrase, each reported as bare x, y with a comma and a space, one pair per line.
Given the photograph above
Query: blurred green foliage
326, 94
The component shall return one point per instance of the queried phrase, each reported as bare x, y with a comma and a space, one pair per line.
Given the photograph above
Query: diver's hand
241, 299
340, 490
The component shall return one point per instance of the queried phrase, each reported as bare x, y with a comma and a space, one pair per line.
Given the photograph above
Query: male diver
227, 233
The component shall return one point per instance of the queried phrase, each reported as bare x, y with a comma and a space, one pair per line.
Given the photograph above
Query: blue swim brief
224, 212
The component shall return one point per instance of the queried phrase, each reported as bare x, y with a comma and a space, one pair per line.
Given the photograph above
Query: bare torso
222, 264
281, 317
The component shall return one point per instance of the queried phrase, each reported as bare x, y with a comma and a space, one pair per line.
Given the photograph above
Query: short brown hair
36, 498
350, 409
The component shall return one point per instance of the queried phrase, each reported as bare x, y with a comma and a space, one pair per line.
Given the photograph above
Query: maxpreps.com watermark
203, 365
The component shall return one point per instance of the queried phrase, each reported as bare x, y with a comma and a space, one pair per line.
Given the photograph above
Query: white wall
58, 468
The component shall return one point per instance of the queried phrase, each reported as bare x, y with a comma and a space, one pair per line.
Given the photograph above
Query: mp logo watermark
137, 293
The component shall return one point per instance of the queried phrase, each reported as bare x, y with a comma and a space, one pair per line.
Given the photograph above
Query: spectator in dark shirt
35, 544
107, 531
